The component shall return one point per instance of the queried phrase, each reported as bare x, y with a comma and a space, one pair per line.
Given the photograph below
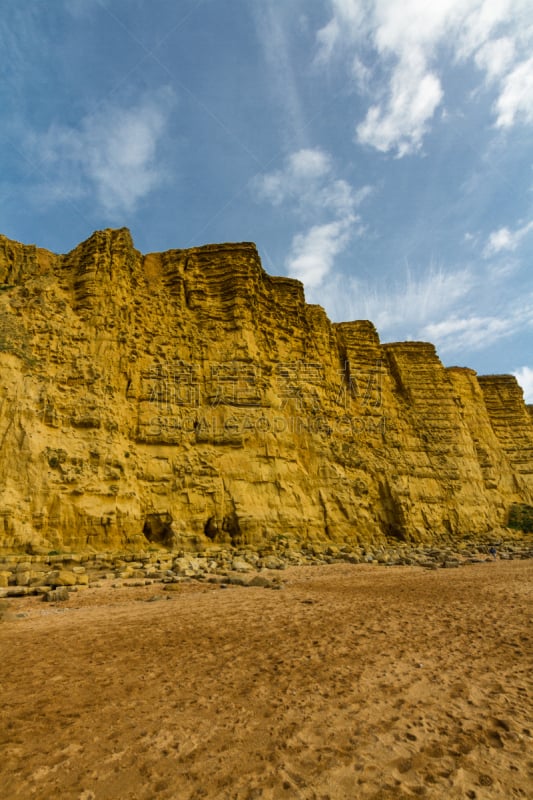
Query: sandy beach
352, 681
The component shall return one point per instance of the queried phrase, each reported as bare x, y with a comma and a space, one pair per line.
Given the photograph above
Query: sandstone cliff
188, 397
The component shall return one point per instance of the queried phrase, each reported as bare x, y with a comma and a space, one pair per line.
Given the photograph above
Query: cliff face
187, 397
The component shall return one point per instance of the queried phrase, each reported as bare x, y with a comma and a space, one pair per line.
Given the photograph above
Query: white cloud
408, 40
307, 180
307, 163
308, 186
516, 98
524, 376
313, 253
495, 57
400, 27
505, 240
402, 123
347, 22
299, 179
113, 154
499, 240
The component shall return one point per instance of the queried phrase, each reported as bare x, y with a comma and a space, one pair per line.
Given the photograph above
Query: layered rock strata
187, 398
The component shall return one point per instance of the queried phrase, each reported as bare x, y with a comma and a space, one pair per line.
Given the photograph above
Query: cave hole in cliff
211, 528
230, 525
521, 517
394, 531
393, 519
228, 530
158, 528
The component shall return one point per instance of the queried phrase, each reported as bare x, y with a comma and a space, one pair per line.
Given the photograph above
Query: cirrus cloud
463, 330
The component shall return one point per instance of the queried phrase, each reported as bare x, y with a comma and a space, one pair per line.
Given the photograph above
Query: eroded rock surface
187, 398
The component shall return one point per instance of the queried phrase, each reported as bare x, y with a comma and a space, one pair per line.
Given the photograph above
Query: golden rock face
188, 397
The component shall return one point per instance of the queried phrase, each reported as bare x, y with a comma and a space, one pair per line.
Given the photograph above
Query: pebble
44, 575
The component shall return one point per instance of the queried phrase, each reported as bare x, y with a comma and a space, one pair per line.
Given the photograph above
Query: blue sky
378, 151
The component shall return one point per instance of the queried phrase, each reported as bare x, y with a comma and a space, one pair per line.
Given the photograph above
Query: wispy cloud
407, 40
308, 181
505, 239
463, 331
112, 155
80, 8
408, 304
418, 299
468, 333
524, 376
302, 172
436, 306
272, 25
307, 184
19, 37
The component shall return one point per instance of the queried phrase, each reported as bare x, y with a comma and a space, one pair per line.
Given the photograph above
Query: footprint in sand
494, 739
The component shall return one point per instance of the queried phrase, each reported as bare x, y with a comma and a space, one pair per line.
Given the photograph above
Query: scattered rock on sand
260, 580
60, 577
240, 565
56, 595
